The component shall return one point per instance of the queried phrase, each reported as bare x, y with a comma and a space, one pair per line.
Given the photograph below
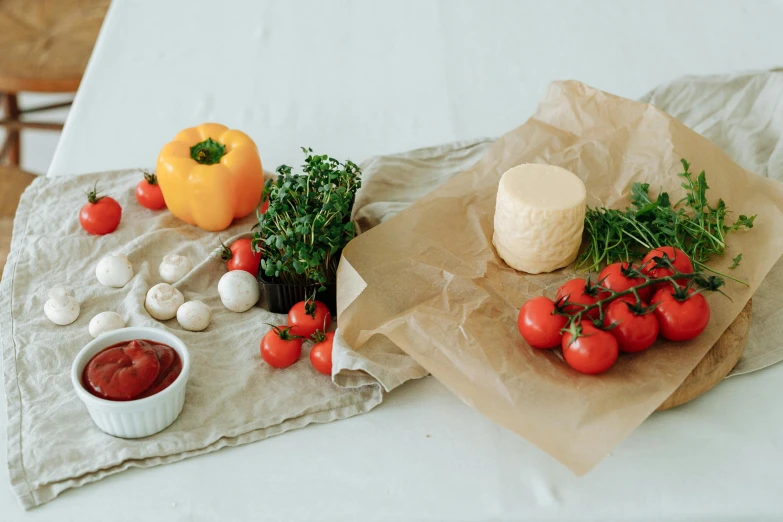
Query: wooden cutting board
718, 362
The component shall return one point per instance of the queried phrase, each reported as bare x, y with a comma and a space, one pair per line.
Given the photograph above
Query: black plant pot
280, 297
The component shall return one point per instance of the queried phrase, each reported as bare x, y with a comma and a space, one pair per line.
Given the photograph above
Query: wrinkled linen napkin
232, 397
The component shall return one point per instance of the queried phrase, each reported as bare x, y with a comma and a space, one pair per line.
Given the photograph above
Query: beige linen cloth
232, 396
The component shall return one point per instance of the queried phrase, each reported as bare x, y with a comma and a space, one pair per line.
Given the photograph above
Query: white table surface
354, 79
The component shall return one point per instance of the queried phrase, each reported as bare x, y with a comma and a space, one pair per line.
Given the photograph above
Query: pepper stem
207, 152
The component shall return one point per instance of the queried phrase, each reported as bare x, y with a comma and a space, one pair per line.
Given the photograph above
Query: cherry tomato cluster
282, 345
625, 311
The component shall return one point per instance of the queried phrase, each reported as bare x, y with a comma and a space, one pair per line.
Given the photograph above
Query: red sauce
131, 370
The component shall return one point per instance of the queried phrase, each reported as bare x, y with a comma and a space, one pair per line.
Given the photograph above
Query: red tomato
241, 256
538, 323
265, 206
594, 352
680, 319
307, 317
633, 332
321, 353
149, 194
615, 279
678, 258
577, 292
101, 215
279, 348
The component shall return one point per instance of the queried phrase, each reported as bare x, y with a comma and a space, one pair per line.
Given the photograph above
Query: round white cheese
539, 217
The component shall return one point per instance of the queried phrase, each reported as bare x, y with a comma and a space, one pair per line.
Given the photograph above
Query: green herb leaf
691, 225
736, 261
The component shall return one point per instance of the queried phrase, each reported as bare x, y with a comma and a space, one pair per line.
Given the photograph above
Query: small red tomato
616, 278
676, 257
321, 353
307, 317
148, 192
101, 215
241, 256
634, 331
578, 291
265, 206
539, 324
279, 348
680, 317
595, 351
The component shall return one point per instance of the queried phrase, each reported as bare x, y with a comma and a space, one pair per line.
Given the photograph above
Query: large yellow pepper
210, 175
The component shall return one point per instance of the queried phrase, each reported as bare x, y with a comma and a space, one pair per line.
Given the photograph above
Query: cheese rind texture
539, 217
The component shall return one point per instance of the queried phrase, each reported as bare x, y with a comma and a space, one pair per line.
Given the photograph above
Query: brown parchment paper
430, 281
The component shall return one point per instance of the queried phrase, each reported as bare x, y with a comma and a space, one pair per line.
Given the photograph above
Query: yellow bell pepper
210, 175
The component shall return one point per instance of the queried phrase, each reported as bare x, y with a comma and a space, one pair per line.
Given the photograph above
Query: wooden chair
44, 47
12, 183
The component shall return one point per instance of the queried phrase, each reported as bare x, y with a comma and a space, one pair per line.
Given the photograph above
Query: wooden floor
12, 184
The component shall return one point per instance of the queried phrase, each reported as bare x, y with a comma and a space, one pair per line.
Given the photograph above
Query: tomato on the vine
681, 316
148, 192
677, 257
579, 291
280, 348
594, 351
101, 215
539, 324
241, 256
635, 326
321, 352
307, 317
617, 278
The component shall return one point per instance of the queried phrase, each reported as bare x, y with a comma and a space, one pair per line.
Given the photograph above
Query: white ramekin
142, 417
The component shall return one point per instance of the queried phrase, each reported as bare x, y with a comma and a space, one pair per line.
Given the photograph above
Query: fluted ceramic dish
141, 417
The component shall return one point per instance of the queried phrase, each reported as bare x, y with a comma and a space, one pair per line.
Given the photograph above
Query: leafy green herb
308, 221
692, 225
736, 261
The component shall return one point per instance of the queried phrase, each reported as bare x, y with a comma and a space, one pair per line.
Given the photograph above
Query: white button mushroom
174, 267
194, 316
163, 300
61, 308
238, 290
106, 322
114, 270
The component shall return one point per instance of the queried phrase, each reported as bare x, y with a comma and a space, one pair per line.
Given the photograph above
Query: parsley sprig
691, 224
308, 221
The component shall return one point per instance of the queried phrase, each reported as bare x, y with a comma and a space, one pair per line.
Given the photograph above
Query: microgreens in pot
308, 221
